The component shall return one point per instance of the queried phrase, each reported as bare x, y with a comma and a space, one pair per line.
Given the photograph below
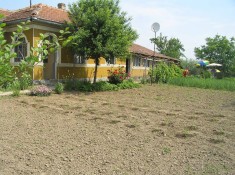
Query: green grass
227, 84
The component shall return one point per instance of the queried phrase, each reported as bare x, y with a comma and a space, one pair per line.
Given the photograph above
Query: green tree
172, 47
99, 29
221, 50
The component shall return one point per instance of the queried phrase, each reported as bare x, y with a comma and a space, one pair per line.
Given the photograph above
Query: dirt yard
152, 130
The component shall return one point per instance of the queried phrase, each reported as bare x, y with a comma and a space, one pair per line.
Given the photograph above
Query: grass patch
84, 86
185, 134
130, 126
191, 128
216, 140
166, 150
114, 121
216, 84
218, 132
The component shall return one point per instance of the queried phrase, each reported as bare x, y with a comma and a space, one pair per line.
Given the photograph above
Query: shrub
104, 86
117, 76
15, 86
41, 90
59, 88
206, 74
126, 84
162, 72
25, 81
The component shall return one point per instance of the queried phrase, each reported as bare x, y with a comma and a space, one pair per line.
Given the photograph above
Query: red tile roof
39, 11
52, 14
138, 49
5, 12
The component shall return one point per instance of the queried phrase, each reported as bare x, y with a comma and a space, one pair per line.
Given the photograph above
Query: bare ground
152, 130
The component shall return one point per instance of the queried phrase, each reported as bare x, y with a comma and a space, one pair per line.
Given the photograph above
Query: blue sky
189, 20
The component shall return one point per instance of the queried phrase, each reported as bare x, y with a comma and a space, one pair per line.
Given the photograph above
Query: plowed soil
152, 130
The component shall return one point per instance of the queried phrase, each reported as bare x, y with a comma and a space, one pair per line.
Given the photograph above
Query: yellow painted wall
82, 72
67, 55
138, 72
38, 72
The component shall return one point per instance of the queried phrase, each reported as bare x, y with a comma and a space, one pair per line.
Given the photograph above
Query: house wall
67, 68
86, 71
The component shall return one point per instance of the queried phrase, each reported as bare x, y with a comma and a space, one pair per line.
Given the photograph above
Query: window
50, 39
21, 50
137, 62
111, 60
78, 59
147, 62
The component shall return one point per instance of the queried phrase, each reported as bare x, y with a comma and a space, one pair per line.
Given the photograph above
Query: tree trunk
96, 68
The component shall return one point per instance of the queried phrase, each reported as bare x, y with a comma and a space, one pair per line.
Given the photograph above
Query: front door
49, 66
128, 66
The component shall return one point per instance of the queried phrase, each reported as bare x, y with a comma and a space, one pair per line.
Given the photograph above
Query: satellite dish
155, 27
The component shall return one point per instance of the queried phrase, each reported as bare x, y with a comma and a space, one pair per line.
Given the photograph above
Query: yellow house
63, 63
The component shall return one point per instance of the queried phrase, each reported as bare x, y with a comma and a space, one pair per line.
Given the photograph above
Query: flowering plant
117, 76
41, 90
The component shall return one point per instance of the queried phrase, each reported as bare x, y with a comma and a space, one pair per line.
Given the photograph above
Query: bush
126, 84
41, 90
25, 81
117, 76
162, 72
59, 88
206, 74
104, 86
15, 86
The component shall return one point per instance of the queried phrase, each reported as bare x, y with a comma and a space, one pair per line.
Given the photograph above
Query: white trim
87, 65
49, 29
12, 60
140, 68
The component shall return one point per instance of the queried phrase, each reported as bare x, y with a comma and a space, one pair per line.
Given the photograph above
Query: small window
137, 62
111, 60
21, 50
147, 62
79, 59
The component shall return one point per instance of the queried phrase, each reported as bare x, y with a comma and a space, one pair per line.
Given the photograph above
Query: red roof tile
138, 49
5, 12
39, 11
52, 14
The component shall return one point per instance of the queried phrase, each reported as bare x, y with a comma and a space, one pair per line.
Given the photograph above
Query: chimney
62, 6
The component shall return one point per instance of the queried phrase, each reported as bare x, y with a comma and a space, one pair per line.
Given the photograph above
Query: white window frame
147, 62
78, 59
111, 60
13, 60
137, 62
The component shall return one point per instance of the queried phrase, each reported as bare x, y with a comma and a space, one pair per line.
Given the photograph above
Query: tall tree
220, 50
99, 29
172, 47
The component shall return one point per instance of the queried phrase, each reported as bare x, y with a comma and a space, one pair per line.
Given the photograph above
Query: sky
191, 21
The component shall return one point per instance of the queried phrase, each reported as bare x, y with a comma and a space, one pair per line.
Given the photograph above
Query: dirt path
152, 130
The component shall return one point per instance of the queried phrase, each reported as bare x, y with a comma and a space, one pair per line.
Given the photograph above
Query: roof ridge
54, 7
5, 10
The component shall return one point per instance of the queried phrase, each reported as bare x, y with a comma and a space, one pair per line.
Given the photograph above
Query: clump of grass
218, 132
114, 121
216, 140
217, 84
185, 134
59, 88
166, 150
160, 132
130, 126
191, 128
167, 123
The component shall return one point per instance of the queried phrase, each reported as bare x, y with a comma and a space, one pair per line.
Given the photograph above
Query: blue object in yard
203, 62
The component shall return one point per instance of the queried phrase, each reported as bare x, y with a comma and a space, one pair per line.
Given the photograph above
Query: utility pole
30, 3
